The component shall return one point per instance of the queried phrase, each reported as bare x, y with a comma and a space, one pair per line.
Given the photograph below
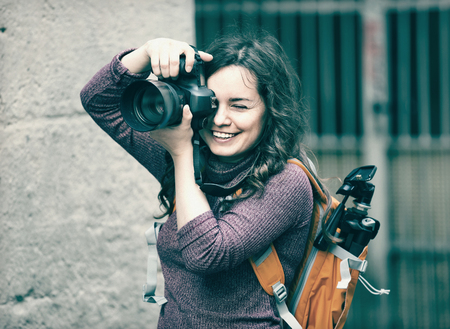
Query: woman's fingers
164, 62
205, 56
174, 62
165, 56
156, 67
176, 139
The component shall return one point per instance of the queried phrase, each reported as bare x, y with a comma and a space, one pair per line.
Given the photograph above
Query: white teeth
223, 135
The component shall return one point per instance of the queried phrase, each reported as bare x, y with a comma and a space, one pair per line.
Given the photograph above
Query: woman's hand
177, 140
163, 57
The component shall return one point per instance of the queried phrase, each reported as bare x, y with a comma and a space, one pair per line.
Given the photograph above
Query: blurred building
376, 75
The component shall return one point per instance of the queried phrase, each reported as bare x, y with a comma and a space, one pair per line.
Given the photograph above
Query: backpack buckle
280, 292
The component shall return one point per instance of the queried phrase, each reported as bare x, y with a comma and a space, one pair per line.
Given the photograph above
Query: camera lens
149, 105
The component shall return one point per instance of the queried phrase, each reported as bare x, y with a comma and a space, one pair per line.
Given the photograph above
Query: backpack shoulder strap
268, 270
312, 180
149, 288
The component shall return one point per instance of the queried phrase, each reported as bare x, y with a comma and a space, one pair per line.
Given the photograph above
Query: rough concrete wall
73, 205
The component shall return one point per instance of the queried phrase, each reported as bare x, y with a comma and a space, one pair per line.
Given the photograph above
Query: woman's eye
240, 107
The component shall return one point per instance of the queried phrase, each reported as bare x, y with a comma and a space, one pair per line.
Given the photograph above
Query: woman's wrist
137, 61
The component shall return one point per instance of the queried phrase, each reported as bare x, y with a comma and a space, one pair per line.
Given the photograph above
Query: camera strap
210, 188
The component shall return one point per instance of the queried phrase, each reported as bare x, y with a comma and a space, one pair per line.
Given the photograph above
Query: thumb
187, 115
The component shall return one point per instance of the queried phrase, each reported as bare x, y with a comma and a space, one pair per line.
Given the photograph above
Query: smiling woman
258, 125
236, 127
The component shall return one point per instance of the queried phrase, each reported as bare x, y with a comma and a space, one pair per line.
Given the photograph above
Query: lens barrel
148, 105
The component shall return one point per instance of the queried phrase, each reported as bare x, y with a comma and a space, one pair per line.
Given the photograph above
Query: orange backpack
321, 294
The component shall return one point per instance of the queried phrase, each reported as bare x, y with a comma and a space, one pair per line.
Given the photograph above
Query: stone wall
73, 205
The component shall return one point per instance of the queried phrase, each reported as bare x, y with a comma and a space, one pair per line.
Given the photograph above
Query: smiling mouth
223, 135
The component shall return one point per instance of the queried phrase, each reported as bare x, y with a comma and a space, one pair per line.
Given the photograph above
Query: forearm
101, 99
190, 200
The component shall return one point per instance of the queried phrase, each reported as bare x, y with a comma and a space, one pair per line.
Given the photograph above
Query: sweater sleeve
211, 244
101, 100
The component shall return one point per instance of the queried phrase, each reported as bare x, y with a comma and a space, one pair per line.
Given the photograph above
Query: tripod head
355, 228
356, 185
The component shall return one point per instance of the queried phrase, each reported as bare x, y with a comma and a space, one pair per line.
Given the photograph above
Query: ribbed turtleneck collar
224, 173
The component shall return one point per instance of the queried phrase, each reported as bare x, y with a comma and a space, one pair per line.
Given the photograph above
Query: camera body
154, 104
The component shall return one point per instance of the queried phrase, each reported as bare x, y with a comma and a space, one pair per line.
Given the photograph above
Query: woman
206, 242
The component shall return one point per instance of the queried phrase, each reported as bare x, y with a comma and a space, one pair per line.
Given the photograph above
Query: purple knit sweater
209, 282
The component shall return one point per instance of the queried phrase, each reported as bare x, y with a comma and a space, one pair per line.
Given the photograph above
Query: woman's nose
221, 116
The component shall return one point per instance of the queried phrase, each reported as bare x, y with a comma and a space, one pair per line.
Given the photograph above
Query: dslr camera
154, 104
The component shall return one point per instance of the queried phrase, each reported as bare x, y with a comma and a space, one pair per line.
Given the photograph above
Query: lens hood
148, 105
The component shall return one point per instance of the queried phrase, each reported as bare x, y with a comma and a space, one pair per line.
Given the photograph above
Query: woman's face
235, 128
